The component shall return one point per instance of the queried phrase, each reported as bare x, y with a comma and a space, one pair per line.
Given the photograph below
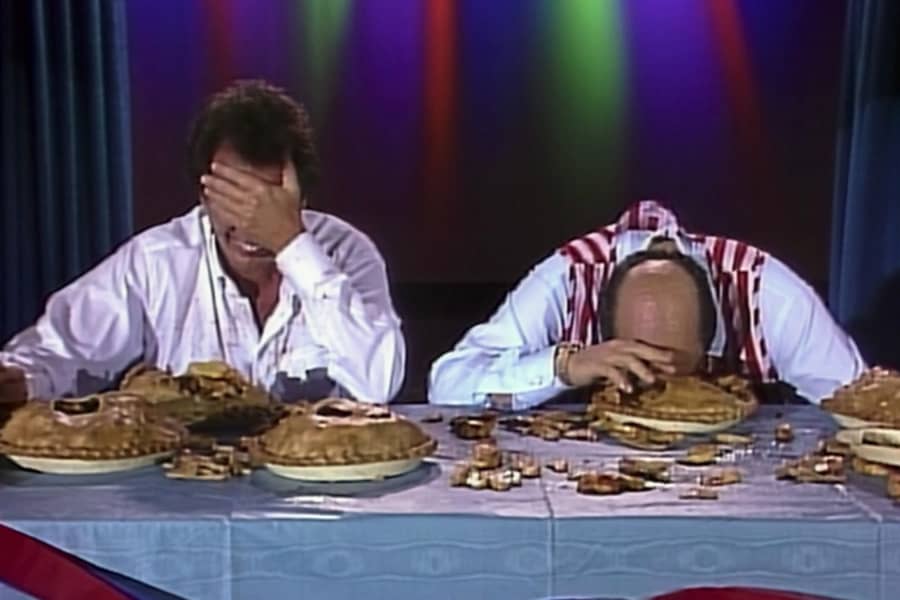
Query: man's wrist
286, 238
562, 358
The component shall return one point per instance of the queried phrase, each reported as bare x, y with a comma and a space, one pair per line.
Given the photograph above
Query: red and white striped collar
646, 221
649, 215
634, 231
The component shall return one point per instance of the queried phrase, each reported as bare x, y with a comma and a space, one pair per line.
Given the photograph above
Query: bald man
642, 297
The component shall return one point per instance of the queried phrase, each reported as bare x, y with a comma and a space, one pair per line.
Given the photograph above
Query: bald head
662, 299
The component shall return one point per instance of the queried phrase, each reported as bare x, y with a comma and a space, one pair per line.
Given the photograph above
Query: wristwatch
564, 352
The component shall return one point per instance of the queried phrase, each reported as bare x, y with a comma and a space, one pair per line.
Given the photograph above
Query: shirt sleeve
349, 312
809, 350
90, 331
511, 354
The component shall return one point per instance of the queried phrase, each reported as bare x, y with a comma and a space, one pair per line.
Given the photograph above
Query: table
415, 537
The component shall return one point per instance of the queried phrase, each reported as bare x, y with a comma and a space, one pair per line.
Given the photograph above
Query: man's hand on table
619, 361
12, 386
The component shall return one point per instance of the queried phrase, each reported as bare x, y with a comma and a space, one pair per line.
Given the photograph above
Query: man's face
244, 258
658, 304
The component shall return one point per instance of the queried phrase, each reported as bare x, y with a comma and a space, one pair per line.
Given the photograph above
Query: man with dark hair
643, 297
295, 299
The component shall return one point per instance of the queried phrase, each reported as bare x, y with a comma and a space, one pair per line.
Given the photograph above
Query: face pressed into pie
103, 426
207, 391
873, 398
337, 431
681, 399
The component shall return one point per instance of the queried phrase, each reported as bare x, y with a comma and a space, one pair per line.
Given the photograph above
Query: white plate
852, 422
673, 426
885, 455
363, 472
76, 466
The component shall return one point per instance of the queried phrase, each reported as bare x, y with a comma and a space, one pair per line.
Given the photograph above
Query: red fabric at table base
38, 569
736, 593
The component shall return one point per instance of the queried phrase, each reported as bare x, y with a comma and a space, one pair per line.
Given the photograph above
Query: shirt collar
211, 248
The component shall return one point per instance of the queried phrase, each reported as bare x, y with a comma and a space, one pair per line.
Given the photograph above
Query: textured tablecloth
415, 537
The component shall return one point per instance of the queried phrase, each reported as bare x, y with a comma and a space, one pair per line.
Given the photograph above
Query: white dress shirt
164, 298
512, 354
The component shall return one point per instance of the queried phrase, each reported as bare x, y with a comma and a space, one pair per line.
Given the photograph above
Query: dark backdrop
470, 138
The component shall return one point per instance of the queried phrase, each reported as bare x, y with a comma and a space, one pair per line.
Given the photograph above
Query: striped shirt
769, 322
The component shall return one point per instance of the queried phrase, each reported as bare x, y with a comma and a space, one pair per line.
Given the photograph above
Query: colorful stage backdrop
471, 137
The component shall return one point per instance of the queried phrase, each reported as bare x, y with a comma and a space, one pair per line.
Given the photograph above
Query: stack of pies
872, 400
873, 444
337, 439
208, 393
869, 410
96, 434
682, 404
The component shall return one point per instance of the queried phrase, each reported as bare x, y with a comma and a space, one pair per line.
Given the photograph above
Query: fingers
614, 376
658, 357
633, 365
242, 179
225, 212
289, 180
11, 374
224, 205
222, 186
12, 385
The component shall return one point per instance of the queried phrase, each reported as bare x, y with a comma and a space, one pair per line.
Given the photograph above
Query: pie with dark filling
208, 392
113, 425
338, 432
680, 398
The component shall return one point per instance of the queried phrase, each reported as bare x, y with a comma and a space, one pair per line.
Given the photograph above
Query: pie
699, 493
674, 403
473, 427
645, 468
549, 425
873, 399
603, 484
208, 391
637, 436
720, 477
811, 468
113, 425
699, 454
338, 432
893, 485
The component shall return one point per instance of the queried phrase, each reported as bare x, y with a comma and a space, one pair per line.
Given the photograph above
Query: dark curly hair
707, 304
263, 124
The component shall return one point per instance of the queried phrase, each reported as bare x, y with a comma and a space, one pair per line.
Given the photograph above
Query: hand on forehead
230, 165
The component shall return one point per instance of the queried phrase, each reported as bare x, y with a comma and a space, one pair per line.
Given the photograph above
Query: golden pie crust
874, 397
338, 431
207, 391
113, 425
680, 398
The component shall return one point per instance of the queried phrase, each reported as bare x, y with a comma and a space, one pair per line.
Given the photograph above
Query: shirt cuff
529, 381
306, 266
